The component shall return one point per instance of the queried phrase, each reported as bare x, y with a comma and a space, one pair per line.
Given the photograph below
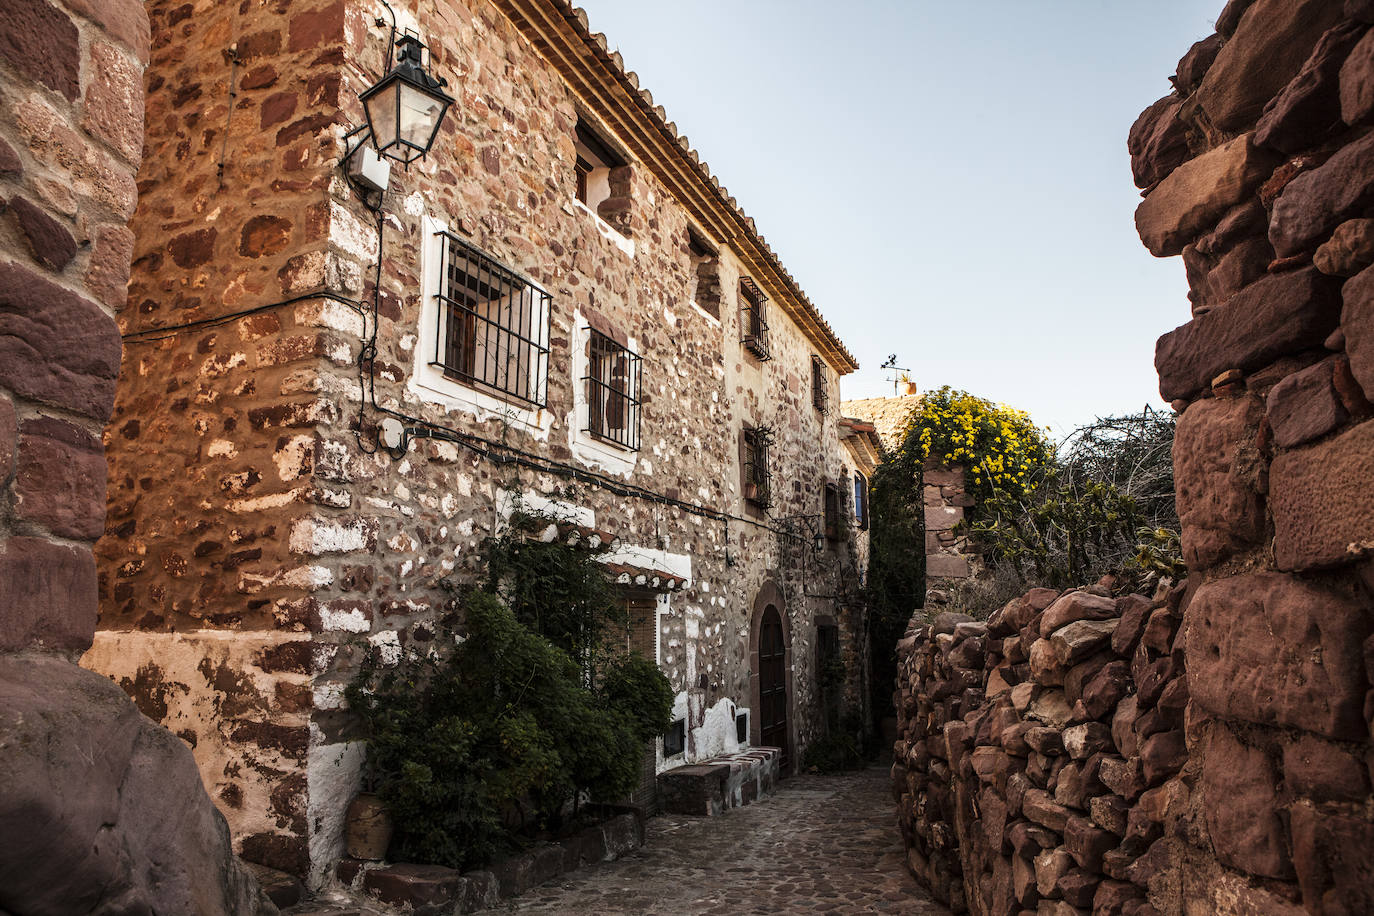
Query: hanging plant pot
367, 827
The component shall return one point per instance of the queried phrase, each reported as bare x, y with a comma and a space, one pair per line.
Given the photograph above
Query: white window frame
430, 384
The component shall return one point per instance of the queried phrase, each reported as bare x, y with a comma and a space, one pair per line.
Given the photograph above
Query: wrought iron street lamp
405, 107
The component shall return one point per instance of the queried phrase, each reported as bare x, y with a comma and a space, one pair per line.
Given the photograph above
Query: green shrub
499, 731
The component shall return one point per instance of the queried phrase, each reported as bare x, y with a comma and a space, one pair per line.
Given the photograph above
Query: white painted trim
428, 383
586, 448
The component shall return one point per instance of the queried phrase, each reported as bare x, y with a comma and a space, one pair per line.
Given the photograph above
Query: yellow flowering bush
999, 447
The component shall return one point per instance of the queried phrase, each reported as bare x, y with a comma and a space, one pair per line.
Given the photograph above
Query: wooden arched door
773, 682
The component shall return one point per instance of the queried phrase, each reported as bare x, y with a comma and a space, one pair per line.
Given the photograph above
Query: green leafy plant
507, 719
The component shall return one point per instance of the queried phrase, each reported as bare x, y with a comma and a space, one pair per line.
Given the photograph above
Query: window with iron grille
820, 392
758, 481
493, 325
832, 512
613, 375
752, 318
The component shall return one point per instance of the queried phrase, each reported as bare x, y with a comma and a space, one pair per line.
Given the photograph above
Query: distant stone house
330, 396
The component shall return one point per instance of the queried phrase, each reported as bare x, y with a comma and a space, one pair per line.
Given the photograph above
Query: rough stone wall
100, 810
1257, 170
257, 535
70, 122
1038, 758
213, 445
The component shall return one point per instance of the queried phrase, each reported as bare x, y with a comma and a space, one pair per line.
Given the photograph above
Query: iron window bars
820, 392
758, 480
493, 325
613, 375
752, 319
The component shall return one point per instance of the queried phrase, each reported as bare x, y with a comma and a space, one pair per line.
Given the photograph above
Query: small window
861, 501
675, 738
832, 512
752, 319
613, 376
820, 391
493, 325
758, 488
742, 727
704, 280
595, 159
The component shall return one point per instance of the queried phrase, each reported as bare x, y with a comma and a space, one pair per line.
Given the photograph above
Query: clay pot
367, 827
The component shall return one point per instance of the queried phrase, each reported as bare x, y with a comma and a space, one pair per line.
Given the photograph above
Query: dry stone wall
1231, 771
1038, 759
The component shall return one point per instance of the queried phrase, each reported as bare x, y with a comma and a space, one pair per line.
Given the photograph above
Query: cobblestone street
821, 844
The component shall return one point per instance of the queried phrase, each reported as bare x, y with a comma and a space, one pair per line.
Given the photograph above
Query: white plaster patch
388, 647
221, 448
319, 536
266, 501
294, 458
350, 621
332, 776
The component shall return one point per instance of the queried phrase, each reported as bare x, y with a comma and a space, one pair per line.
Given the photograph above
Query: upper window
752, 318
704, 281
820, 391
758, 481
493, 325
832, 512
595, 159
612, 390
861, 501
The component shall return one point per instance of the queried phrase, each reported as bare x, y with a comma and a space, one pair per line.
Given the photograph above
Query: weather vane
899, 374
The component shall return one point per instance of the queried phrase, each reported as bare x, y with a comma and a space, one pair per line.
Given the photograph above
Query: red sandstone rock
1112, 897
1080, 639
1109, 812
1272, 40
103, 811
1240, 804
1158, 142
1333, 854
1050, 866
41, 42
47, 595
1315, 202
60, 478
1323, 504
1087, 842
1272, 649
107, 274
49, 241
1123, 727
1029, 840
114, 101
1196, 194
1357, 83
1162, 755
1134, 610
1357, 324
1349, 250
1193, 66
1217, 475
1305, 406
1324, 771
1159, 631
1073, 607
125, 20
1124, 777
1038, 806
1270, 318
1105, 690
1023, 882
1309, 107
1077, 887
1082, 741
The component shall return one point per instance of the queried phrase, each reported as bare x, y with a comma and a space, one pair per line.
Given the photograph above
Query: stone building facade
330, 396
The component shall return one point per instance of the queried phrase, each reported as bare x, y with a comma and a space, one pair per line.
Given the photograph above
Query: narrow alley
822, 844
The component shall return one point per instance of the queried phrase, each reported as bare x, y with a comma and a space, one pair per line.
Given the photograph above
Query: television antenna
897, 374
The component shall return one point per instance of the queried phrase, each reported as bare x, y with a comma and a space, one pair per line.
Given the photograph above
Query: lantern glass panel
420, 115
381, 110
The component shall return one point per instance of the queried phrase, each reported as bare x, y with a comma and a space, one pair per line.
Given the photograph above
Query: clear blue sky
946, 180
